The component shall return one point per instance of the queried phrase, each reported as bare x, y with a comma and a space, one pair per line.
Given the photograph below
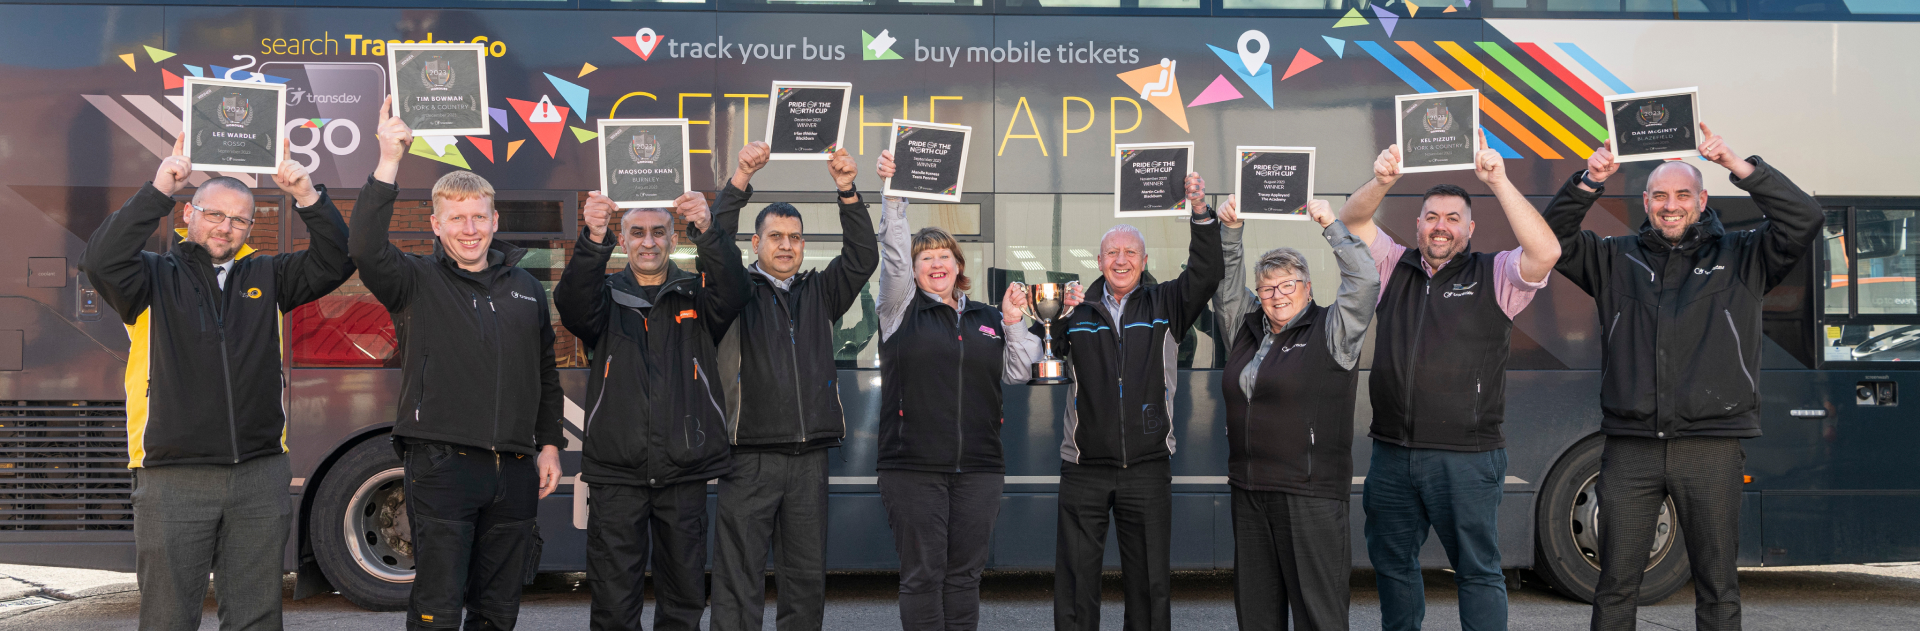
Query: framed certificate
1274, 182
1655, 125
643, 161
1150, 179
929, 160
440, 89
807, 120
1435, 131
235, 126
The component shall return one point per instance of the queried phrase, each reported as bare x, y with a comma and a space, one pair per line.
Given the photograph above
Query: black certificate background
1274, 195
1421, 148
824, 135
649, 187
466, 113
1165, 191
210, 143
1674, 134
923, 171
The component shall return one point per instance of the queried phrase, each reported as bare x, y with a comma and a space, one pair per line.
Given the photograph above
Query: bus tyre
1566, 531
359, 530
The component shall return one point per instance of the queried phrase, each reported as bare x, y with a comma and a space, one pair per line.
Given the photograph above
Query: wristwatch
1589, 181
853, 191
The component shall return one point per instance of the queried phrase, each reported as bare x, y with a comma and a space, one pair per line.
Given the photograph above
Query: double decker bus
1821, 88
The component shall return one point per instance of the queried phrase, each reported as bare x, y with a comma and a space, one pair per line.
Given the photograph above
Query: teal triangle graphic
574, 95
886, 46
196, 70
1262, 83
1339, 46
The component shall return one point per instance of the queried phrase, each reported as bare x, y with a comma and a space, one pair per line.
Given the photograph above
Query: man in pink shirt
1438, 387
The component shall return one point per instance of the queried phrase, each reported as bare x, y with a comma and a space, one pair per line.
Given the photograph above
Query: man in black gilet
1438, 387
1680, 307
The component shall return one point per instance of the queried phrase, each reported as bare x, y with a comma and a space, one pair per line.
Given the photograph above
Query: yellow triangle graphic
157, 54
1412, 9
1352, 18
1449, 9
513, 147
129, 59
584, 69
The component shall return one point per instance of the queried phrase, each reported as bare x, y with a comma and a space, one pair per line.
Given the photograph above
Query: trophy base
1049, 372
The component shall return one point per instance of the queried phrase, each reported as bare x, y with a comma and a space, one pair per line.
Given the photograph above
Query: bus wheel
1567, 533
359, 528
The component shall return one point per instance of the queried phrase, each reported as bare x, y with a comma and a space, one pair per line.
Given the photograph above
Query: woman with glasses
1289, 386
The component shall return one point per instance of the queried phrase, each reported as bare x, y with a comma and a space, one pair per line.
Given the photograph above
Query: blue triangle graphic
574, 95
1339, 46
196, 70
1262, 83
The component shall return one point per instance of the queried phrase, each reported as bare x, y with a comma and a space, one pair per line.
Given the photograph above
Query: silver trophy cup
1047, 302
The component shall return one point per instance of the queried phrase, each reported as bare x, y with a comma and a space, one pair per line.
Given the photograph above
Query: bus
1821, 88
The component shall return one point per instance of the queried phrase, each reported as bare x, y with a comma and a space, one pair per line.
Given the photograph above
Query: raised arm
1359, 291
896, 264
380, 262
1539, 249
739, 188
1358, 212
581, 295
718, 258
1195, 285
113, 260
859, 248
1581, 255
1232, 301
305, 276
1793, 217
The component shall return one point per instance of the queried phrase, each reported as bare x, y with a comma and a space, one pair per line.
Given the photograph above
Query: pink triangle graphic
1219, 90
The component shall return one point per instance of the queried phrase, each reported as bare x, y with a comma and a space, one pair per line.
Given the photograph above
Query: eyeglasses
779, 239
215, 218
1283, 289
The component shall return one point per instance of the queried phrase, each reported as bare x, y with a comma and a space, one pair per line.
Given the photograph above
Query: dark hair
778, 209
1447, 190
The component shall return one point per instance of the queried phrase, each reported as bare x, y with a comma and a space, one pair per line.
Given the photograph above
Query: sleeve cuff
1511, 267
1230, 235
324, 200
1761, 170
586, 242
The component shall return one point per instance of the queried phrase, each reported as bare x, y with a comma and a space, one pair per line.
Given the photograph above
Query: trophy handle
1027, 309
1070, 286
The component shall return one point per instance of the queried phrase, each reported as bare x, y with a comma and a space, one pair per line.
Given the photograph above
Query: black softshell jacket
1123, 364
203, 370
786, 396
1681, 323
655, 416
476, 347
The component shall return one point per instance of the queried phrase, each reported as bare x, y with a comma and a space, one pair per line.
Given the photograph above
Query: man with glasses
783, 410
206, 433
1116, 455
478, 425
1439, 387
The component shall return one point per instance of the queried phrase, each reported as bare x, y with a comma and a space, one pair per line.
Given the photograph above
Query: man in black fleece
782, 351
656, 432
479, 413
1680, 306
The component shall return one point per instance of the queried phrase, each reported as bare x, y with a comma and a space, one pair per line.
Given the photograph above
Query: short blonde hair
938, 239
461, 186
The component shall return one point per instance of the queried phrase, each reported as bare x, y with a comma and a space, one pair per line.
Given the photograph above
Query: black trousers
776, 499
1290, 552
1140, 501
475, 540
1703, 476
625, 524
943, 528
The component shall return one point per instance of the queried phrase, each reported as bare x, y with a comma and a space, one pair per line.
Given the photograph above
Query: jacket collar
1412, 257
1706, 230
1256, 321
195, 252
626, 289
761, 276
499, 254
1096, 294
923, 301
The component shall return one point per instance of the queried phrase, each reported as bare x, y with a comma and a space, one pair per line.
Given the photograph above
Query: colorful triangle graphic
129, 59
1413, 10
485, 146
499, 116
156, 54
1220, 90
583, 135
586, 68
547, 131
1160, 86
196, 70
452, 156
575, 95
886, 46
1387, 19
170, 81
1352, 18
1339, 46
1449, 9
514, 147
1301, 61
1261, 84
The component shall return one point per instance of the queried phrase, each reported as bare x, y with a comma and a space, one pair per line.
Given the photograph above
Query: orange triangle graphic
1449, 9
1157, 84
513, 147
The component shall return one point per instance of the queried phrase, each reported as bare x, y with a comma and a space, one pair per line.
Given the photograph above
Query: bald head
223, 186
1678, 168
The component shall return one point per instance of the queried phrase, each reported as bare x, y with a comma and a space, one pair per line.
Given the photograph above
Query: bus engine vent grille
63, 466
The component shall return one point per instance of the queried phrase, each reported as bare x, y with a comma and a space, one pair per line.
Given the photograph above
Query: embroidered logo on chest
1289, 348
1700, 271
522, 296
989, 332
1460, 290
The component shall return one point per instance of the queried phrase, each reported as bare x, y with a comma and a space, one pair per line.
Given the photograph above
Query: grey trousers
1703, 476
1290, 553
230, 520
776, 499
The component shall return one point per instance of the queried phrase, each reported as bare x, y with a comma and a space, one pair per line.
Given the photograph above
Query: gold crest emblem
236, 111
1652, 115
437, 73
1437, 119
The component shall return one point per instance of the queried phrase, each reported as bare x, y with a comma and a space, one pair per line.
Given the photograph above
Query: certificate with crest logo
1274, 182
643, 161
929, 159
1655, 125
1150, 179
234, 126
807, 120
1435, 131
440, 89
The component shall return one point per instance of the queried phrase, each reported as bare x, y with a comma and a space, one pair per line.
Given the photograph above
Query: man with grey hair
1121, 349
207, 433
1679, 302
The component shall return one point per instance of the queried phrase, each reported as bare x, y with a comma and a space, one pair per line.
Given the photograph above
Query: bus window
1834, 243
1872, 308
1886, 246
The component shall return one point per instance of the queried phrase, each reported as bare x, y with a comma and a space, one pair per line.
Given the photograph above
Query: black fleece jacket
1681, 322
476, 347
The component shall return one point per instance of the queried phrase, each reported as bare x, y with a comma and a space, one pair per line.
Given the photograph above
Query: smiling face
220, 220
1445, 226
1675, 197
936, 270
647, 236
465, 228
1283, 294
1123, 258
780, 246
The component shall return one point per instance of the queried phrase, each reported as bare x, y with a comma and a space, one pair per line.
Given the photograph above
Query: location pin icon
647, 40
1253, 59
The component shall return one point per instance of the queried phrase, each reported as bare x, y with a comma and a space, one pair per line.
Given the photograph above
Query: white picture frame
1119, 157
686, 157
1239, 181
279, 128
393, 85
959, 184
1613, 132
1400, 132
773, 110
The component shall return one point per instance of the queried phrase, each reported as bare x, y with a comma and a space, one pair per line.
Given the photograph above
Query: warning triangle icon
544, 112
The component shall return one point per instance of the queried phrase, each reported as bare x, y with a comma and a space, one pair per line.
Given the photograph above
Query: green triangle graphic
583, 135
453, 157
157, 54
866, 39
1352, 18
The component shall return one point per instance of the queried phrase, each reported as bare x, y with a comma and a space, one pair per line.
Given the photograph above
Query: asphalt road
1775, 599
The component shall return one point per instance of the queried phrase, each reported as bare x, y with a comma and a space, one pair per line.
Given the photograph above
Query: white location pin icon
647, 40
1253, 59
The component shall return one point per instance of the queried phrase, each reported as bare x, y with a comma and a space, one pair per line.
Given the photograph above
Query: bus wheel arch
1566, 532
